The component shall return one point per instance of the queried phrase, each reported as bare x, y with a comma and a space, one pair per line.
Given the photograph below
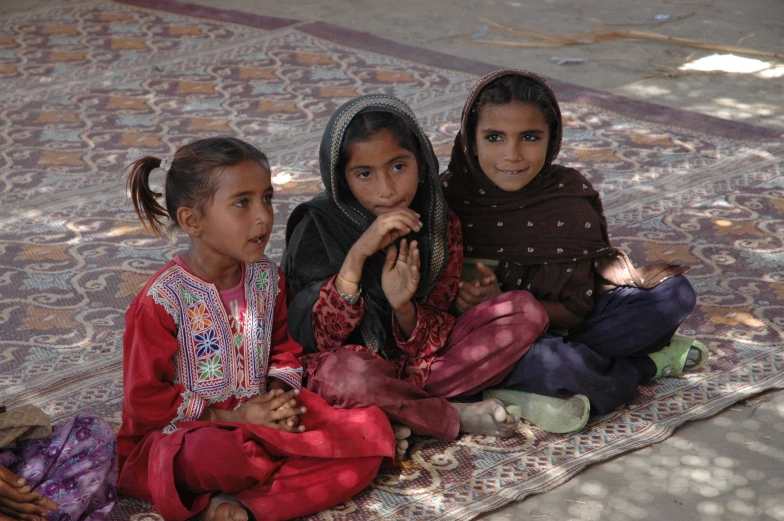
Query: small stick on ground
545, 39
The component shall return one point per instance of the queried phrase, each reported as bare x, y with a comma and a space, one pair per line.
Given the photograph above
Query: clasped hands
277, 408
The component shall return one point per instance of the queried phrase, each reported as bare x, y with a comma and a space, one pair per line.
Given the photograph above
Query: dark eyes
497, 138
364, 174
242, 203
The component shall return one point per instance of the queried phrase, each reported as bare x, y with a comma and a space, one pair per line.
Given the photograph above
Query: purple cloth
75, 466
604, 358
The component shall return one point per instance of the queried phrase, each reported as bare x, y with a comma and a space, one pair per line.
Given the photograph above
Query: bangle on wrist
347, 281
351, 299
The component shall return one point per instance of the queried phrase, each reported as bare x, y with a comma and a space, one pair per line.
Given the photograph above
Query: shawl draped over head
320, 233
550, 237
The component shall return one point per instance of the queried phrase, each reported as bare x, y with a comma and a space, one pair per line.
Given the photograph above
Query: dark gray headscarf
320, 233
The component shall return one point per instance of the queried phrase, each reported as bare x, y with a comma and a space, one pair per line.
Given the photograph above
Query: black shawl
320, 233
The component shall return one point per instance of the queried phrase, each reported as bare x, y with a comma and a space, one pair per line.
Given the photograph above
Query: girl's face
511, 143
238, 221
382, 175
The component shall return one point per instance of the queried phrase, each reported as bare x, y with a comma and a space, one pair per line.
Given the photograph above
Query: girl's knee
341, 363
343, 376
532, 313
681, 299
686, 293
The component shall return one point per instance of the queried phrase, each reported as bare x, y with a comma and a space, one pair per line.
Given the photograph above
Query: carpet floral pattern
89, 88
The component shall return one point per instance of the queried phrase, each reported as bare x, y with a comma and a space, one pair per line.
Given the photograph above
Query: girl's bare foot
487, 417
223, 507
401, 436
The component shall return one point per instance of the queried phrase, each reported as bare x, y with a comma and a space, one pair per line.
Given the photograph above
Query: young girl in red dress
374, 264
214, 420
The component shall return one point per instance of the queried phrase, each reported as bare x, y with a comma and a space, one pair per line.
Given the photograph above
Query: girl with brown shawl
374, 263
542, 227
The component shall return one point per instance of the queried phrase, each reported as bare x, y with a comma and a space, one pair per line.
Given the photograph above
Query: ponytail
191, 178
145, 200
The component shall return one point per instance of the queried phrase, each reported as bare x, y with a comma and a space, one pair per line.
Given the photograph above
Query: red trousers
482, 349
275, 474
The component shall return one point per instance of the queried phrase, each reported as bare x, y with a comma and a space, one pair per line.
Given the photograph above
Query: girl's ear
190, 220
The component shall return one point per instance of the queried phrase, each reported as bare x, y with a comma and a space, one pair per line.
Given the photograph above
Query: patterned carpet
88, 88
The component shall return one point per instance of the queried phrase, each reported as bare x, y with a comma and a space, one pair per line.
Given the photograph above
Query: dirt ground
730, 467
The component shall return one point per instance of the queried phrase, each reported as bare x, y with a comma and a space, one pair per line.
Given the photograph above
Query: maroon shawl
550, 237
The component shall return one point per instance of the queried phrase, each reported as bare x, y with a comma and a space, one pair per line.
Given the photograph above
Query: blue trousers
605, 358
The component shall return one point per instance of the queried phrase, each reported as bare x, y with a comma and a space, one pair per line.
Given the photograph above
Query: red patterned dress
188, 346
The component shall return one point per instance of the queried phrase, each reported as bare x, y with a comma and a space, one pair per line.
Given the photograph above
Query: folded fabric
22, 423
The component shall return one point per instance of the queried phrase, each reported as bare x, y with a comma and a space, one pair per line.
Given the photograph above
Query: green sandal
558, 415
683, 354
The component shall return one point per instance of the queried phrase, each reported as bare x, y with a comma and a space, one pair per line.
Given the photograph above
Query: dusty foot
401, 435
223, 507
487, 417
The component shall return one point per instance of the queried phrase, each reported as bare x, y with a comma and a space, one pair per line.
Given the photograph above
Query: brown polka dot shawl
550, 237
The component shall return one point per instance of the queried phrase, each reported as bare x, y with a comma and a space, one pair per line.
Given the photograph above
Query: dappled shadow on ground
684, 477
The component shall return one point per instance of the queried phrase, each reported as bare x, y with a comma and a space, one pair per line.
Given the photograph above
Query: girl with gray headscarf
374, 264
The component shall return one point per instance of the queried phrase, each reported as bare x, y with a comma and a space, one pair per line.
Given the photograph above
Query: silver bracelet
351, 299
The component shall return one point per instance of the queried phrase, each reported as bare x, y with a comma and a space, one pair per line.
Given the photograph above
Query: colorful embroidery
191, 408
215, 360
206, 343
290, 375
210, 368
199, 318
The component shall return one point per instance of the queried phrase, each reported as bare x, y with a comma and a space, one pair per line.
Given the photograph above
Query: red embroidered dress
184, 350
334, 319
184, 355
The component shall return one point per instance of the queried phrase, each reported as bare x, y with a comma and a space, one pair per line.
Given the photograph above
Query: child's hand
400, 274
275, 384
477, 291
270, 408
291, 422
386, 229
18, 501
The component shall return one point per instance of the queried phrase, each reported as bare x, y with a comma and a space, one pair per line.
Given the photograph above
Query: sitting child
541, 227
214, 420
374, 264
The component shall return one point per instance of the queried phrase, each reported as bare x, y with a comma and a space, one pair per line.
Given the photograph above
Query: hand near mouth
386, 229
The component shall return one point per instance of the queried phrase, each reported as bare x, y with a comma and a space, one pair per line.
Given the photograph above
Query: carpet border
269, 23
566, 92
